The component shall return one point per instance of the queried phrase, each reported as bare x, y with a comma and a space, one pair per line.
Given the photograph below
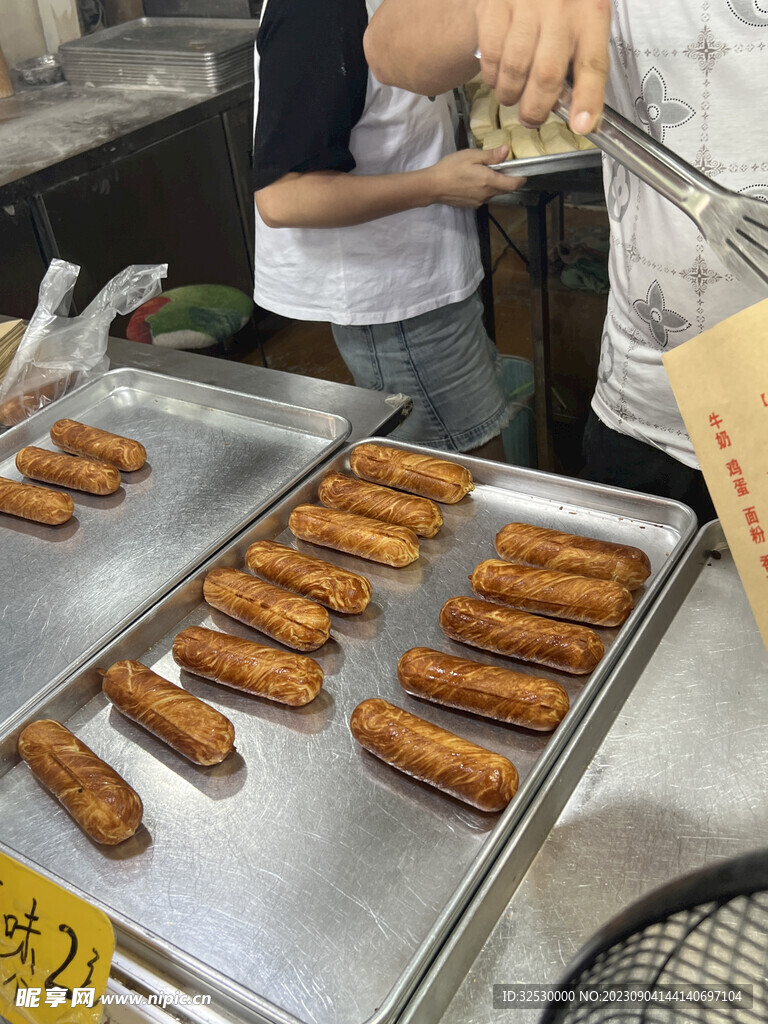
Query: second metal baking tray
302, 879
215, 460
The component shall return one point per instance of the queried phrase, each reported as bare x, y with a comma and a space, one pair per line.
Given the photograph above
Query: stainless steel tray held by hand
531, 167
735, 226
553, 163
302, 879
215, 460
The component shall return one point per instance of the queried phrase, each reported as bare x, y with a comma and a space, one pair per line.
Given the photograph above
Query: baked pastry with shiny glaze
287, 618
68, 470
471, 773
278, 675
92, 442
548, 592
584, 556
100, 801
487, 690
335, 588
559, 645
355, 535
38, 504
438, 479
365, 499
176, 717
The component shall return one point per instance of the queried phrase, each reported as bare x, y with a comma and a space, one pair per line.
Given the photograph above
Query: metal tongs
735, 226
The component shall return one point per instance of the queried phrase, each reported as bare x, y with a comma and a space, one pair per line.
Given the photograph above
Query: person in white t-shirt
690, 74
364, 219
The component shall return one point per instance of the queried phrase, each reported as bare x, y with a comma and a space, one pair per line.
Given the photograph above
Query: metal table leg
486, 285
537, 270
535, 197
557, 218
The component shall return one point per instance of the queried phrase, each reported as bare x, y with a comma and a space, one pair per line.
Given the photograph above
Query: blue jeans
445, 362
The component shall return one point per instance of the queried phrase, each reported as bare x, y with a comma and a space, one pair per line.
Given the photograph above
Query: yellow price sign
55, 951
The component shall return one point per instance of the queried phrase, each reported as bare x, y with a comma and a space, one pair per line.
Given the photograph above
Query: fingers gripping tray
303, 879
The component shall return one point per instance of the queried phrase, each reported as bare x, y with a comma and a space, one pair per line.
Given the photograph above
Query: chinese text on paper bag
720, 381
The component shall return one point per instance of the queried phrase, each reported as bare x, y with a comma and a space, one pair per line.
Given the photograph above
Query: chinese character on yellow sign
55, 951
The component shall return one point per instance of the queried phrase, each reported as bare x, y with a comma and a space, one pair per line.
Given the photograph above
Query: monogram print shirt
693, 74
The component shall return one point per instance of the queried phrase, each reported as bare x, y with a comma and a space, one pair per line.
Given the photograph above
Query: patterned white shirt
694, 75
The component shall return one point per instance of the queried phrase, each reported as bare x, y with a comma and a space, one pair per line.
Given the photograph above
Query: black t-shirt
313, 79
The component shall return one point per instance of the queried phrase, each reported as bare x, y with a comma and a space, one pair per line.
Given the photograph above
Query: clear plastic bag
59, 352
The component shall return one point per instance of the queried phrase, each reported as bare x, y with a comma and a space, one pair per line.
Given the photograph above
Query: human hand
527, 47
465, 179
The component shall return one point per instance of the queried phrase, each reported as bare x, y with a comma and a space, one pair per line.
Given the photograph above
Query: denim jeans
445, 362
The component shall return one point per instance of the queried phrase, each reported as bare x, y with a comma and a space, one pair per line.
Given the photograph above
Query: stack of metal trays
171, 53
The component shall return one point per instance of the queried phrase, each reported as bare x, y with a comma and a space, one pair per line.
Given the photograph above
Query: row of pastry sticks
289, 605
93, 462
466, 770
288, 601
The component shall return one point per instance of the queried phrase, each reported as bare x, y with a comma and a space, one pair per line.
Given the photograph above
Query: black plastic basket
694, 950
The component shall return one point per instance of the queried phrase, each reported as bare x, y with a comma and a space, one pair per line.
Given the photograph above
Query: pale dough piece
484, 114
509, 116
495, 139
473, 87
557, 136
526, 142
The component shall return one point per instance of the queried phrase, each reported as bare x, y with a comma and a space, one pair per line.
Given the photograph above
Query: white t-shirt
694, 74
388, 269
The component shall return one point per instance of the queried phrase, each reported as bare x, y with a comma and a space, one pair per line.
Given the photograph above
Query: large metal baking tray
531, 167
216, 459
710, 666
303, 879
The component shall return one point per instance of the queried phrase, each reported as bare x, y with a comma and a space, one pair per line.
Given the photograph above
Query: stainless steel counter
74, 167
41, 128
678, 782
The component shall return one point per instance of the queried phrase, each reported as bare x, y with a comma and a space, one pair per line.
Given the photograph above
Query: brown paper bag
720, 381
